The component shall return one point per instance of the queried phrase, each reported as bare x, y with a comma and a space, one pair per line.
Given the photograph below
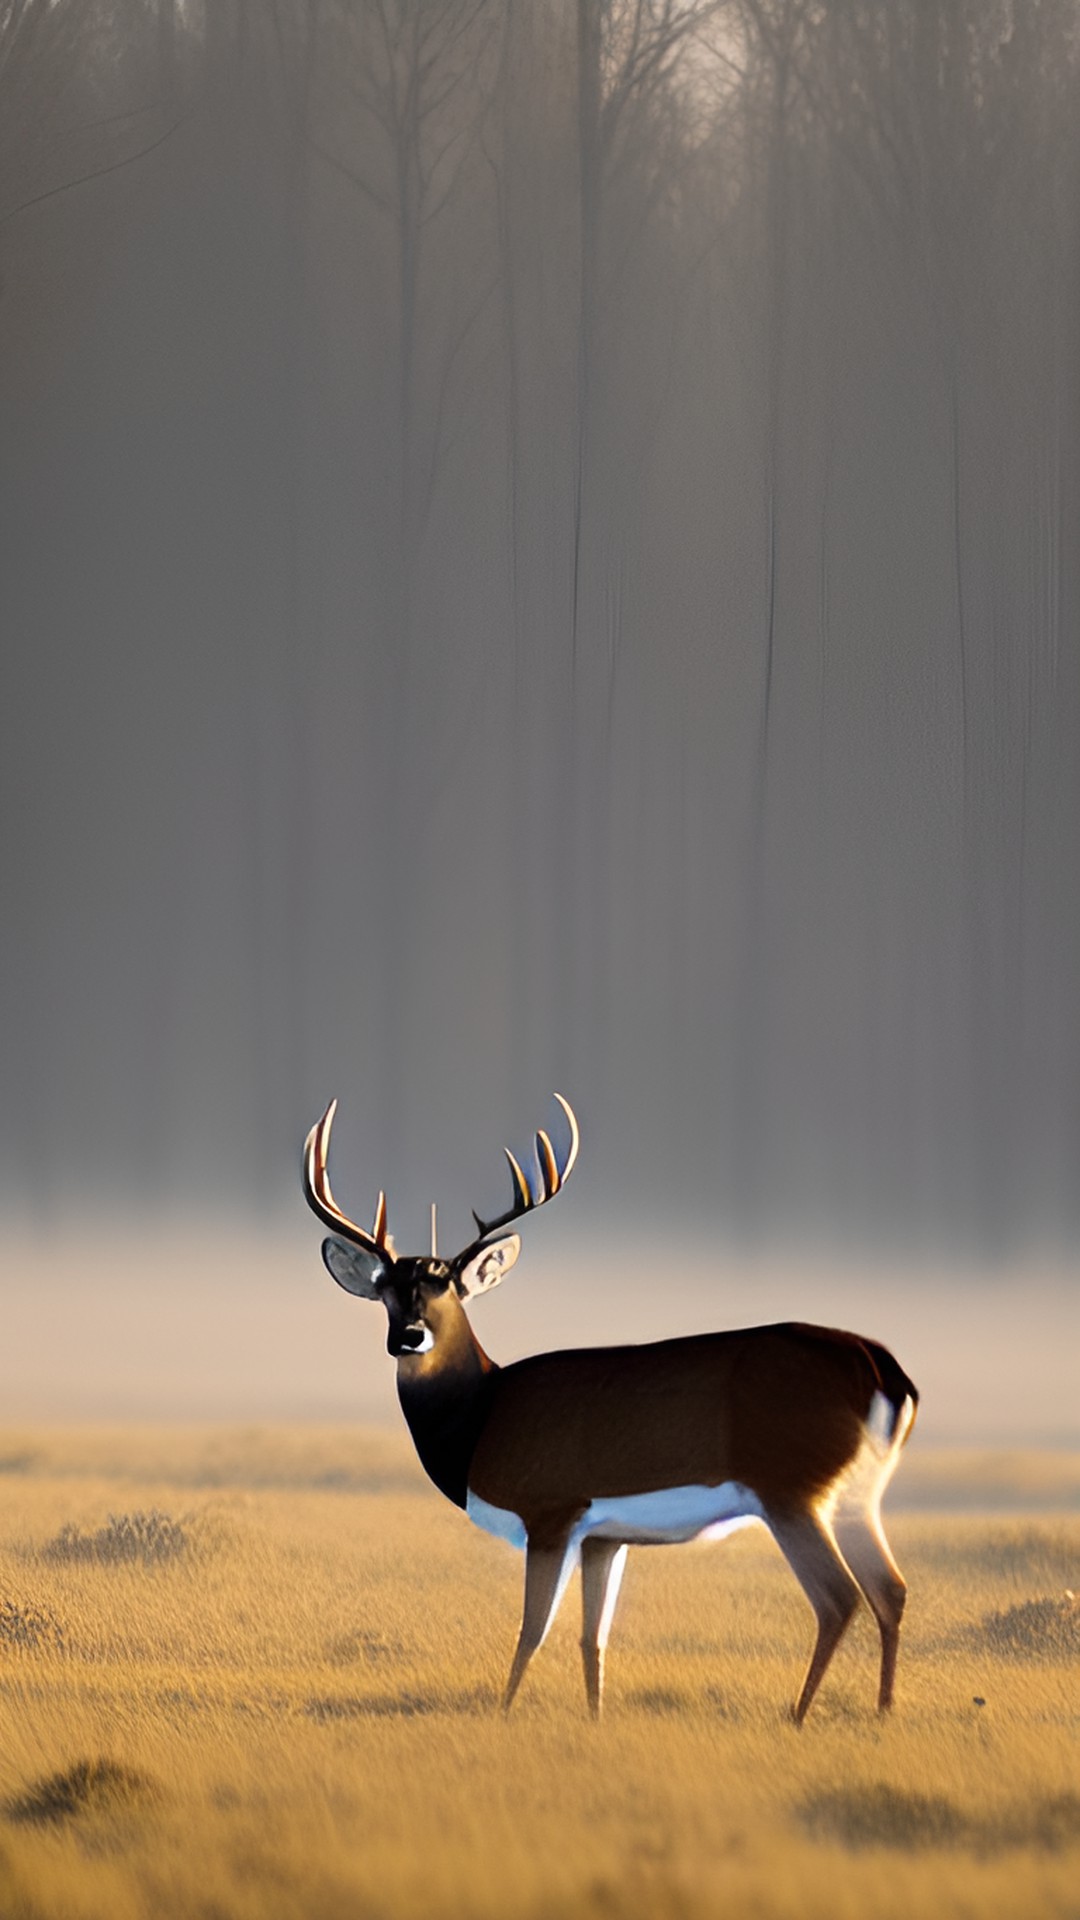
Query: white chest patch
667, 1517
497, 1520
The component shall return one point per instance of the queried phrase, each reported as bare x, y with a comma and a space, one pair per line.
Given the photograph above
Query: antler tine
552, 1177
575, 1140
320, 1198
378, 1225
549, 1170
523, 1196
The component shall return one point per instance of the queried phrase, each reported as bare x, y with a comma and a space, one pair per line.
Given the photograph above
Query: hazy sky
540, 555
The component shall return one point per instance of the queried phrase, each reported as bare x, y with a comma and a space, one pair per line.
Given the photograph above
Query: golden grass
287, 1712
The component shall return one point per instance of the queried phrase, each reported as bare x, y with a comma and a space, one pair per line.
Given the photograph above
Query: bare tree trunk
752, 1049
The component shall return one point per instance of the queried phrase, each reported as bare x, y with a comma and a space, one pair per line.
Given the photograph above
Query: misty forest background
540, 550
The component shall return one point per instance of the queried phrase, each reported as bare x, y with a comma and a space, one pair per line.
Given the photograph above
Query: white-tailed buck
578, 1455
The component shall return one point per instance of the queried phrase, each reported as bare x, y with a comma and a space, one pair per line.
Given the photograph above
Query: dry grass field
254, 1674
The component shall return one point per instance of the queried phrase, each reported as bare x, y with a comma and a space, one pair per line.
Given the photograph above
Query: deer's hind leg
807, 1545
863, 1544
602, 1563
547, 1569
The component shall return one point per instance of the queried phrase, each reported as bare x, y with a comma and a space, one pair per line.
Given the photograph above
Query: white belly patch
673, 1514
667, 1517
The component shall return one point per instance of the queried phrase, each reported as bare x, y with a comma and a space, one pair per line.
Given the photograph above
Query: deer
577, 1455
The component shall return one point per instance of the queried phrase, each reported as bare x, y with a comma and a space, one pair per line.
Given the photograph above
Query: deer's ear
354, 1268
487, 1267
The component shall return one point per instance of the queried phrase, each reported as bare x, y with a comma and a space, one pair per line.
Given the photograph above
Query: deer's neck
445, 1396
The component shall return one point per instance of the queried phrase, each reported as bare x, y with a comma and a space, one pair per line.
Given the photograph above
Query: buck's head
423, 1297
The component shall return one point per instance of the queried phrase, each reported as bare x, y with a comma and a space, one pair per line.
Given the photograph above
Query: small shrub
1052, 1822
151, 1538
1047, 1629
90, 1786
29, 1629
884, 1816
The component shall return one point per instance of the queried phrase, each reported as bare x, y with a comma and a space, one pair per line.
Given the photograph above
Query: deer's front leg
547, 1570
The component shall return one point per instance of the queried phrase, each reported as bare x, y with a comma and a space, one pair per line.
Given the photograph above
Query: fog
214, 1323
539, 551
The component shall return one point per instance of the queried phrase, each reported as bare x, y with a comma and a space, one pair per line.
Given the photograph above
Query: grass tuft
21, 1462
151, 1538
658, 1700
29, 1629
722, 1706
346, 1649
401, 1706
90, 1786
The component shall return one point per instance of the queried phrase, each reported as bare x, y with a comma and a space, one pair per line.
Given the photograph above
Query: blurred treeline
540, 549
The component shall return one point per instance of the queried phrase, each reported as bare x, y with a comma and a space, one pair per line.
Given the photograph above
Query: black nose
412, 1337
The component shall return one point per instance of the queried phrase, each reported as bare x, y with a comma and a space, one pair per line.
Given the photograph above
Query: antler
321, 1200
552, 1178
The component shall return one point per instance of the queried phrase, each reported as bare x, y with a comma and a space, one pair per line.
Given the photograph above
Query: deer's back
780, 1410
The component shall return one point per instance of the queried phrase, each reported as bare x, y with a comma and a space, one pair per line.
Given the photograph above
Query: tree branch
68, 186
